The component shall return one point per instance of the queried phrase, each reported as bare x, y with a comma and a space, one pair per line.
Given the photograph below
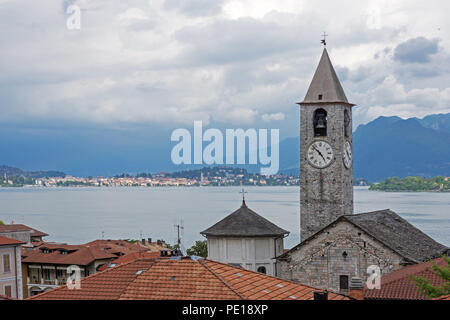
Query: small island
413, 184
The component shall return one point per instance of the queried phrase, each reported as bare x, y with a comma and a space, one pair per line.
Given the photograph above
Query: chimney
170, 253
320, 295
143, 241
149, 240
356, 288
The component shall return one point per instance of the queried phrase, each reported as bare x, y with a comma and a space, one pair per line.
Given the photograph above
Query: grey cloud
416, 50
195, 8
236, 40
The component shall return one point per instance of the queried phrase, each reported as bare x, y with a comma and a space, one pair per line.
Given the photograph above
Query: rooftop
65, 254
394, 232
398, 234
325, 86
244, 222
182, 278
398, 285
5, 228
4, 241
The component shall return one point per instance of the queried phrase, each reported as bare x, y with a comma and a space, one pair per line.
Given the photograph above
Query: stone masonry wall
320, 261
325, 194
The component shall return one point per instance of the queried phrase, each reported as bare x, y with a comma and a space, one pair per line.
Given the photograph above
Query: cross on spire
243, 195
324, 40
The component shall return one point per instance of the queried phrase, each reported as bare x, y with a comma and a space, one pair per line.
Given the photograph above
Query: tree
424, 286
1, 223
200, 248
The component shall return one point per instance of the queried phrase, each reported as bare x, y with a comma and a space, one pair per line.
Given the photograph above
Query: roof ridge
202, 262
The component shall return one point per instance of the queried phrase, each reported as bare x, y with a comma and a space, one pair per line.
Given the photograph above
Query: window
60, 273
8, 291
320, 123
6, 263
343, 282
262, 270
46, 274
320, 97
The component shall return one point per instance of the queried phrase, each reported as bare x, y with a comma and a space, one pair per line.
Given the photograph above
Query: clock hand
320, 153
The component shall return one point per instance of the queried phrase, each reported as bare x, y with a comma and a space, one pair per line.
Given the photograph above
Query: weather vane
243, 194
324, 40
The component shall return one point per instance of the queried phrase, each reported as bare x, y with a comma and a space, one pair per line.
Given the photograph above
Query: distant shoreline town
214, 176
220, 176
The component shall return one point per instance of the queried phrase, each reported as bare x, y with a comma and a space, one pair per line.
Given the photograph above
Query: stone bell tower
326, 162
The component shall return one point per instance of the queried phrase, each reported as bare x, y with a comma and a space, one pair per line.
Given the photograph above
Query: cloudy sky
230, 63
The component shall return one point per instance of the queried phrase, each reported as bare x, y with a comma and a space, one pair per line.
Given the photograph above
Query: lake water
78, 215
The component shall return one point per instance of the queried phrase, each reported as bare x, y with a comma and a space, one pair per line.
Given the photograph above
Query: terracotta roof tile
8, 241
21, 227
78, 255
399, 285
182, 279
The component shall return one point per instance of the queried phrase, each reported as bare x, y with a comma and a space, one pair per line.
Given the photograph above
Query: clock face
347, 155
320, 154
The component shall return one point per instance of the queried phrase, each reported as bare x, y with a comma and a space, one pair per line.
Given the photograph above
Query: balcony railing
47, 282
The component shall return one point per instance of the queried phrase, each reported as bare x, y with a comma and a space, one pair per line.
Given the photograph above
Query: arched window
346, 123
320, 123
262, 270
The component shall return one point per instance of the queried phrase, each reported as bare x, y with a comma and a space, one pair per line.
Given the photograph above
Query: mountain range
384, 147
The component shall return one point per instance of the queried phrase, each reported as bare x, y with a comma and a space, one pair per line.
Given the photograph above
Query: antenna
179, 227
324, 40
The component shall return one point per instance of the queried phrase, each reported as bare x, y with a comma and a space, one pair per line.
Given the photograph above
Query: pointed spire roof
244, 222
325, 86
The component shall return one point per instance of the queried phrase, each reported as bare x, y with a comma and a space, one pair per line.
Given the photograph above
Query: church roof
244, 222
394, 232
325, 86
398, 234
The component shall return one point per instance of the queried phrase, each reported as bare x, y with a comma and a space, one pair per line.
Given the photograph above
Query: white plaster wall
14, 276
250, 253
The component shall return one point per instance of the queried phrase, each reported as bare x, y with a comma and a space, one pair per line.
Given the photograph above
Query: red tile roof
398, 285
21, 227
182, 278
78, 255
4, 241
130, 257
118, 247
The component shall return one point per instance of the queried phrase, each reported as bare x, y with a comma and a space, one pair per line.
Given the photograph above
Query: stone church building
337, 245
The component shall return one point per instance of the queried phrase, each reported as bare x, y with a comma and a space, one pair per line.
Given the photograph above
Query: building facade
10, 268
246, 239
